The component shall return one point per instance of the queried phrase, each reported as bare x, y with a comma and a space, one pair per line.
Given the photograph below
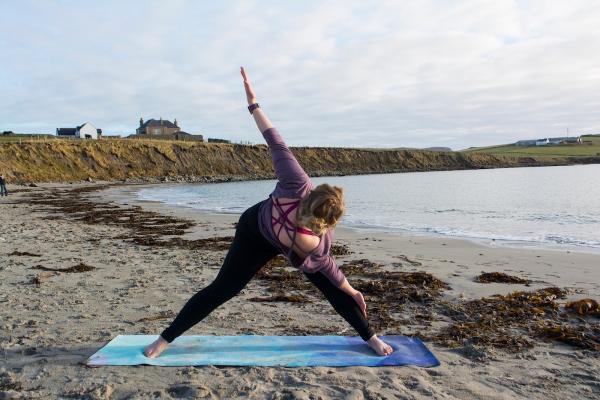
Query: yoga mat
255, 350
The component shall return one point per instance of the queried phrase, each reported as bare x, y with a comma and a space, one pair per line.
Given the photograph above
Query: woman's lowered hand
360, 300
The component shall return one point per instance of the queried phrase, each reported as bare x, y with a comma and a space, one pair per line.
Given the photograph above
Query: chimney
176, 122
161, 120
141, 122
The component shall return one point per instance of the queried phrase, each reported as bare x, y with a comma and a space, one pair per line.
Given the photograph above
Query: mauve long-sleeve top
294, 183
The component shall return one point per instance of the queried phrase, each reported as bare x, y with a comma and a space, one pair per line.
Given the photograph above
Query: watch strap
253, 107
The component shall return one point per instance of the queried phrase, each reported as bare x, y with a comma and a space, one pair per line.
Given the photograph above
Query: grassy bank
590, 147
117, 159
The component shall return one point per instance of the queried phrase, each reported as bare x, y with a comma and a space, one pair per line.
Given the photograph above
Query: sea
554, 207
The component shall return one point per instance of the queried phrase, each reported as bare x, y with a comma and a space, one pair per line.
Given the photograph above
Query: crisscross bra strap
283, 220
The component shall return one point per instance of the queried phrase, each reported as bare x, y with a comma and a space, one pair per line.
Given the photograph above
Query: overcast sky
339, 73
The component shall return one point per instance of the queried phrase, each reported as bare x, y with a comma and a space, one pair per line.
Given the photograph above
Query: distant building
83, 131
163, 129
549, 141
157, 127
565, 139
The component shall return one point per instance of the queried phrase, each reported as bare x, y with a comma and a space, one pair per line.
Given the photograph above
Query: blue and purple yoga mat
254, 350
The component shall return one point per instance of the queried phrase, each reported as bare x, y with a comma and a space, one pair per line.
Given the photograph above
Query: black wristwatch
253, 107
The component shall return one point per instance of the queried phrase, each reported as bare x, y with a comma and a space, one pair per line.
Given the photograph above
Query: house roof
84, 124
66, 131
156, 122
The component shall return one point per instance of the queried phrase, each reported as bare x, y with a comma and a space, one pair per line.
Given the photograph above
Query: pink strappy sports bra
285, 222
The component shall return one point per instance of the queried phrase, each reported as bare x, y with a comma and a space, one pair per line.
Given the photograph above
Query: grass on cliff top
589, 147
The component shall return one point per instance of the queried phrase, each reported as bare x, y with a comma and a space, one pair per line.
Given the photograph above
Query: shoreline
129, 195
435, 251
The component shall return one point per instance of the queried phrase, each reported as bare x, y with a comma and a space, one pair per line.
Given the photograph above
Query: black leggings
246, 256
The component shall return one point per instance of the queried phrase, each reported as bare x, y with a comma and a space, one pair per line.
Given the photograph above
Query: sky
327, 73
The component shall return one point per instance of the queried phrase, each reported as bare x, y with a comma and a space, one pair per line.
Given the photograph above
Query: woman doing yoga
297, 220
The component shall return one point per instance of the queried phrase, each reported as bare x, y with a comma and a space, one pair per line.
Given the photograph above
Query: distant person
297, 220
3, 191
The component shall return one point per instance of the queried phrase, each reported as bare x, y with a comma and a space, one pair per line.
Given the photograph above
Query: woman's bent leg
245, 258
343, 303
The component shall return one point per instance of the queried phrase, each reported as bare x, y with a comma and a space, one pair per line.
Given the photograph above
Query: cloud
346, 73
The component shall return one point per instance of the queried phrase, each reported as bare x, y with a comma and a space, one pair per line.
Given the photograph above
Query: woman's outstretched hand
250, 96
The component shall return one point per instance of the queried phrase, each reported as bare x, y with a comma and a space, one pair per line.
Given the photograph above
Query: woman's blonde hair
322, 208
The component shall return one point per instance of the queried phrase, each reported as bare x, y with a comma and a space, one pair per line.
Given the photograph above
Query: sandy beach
72, 279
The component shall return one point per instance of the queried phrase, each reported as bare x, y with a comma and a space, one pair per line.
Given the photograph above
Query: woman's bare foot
379, 346
156, 348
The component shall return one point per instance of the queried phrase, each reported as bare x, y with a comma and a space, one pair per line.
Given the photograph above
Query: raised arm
261, 119
293, 180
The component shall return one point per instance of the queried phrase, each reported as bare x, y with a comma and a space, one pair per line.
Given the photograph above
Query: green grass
589, 147
27, 138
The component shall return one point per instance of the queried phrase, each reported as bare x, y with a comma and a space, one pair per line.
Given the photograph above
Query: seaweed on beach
499, 277
385, 292
282, 297
514, 322
362, 267
24, 253
582, 336
280, 277
142, 223
340, 250
81, 267
214, 243
395, 286
499, 321
584, 307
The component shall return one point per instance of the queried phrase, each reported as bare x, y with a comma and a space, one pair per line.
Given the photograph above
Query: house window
156, 131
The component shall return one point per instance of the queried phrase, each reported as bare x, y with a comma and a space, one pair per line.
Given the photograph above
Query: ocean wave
465, 234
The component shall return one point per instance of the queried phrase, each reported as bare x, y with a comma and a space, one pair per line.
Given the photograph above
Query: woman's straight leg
246, 256
343, 303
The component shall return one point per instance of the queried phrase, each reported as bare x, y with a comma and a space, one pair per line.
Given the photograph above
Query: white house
542, 142
84, 131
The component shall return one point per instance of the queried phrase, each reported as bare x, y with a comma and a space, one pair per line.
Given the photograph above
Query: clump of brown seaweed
50, 272
282, 297
513, 322
386, 292
499, 277
587, 337
584, 307
81, 267
214, 243
142, 223
340, 250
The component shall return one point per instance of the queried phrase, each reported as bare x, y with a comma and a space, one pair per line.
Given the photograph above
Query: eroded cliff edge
110, 160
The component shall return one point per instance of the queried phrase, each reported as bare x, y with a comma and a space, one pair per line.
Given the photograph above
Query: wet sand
52, 320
